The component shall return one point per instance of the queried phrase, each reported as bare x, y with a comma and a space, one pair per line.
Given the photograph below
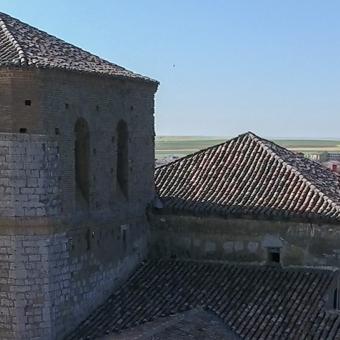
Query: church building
76, 176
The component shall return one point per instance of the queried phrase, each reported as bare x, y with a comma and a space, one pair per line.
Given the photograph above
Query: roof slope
250, 176
23, 45
193, 324
253, 302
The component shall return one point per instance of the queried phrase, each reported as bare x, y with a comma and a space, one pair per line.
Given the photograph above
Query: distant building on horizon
323, 156
332, 165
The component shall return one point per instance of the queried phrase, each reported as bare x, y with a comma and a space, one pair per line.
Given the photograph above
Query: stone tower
76, 176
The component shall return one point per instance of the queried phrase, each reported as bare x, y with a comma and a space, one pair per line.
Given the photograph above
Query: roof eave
243, 216
132, 77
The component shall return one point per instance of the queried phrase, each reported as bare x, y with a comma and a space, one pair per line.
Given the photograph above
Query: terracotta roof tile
253, 302
252, 176
25, 46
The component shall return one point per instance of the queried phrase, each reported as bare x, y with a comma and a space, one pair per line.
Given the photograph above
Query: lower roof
194, 324
253, 302
253, 177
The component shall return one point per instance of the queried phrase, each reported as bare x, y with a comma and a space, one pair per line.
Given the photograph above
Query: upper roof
25, 46
250, 176
253, 302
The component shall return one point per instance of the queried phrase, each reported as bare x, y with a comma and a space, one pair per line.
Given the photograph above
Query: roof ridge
293, 168
205, 149
16, 45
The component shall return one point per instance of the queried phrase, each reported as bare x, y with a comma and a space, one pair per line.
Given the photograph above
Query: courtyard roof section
249, 176
253, 302
22, 45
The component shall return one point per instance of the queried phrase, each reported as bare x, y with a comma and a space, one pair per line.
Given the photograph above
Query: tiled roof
253, 302
194, 324
25, 46
250, 176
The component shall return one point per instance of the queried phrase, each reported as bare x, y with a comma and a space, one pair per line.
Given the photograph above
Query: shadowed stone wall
50, 280
245, 240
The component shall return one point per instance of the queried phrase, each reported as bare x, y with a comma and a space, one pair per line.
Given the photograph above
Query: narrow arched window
82, 160
123, 157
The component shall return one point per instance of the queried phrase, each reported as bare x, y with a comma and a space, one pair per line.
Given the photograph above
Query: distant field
184, 145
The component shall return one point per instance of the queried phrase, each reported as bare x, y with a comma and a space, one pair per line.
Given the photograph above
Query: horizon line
266, 137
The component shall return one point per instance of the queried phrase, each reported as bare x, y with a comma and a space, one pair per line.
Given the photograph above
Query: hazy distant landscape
183, 145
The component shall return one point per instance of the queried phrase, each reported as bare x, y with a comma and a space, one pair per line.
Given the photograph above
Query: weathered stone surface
60, 259
244, 240
29, 176
47, 288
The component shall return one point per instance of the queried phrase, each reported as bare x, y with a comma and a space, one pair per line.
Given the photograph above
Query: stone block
210, 246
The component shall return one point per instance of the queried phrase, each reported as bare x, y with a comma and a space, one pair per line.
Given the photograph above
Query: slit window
82, 160
124, 230
88, 239
335, 299
122, 157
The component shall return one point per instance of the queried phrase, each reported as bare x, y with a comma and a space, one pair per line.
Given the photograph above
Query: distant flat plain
183, 145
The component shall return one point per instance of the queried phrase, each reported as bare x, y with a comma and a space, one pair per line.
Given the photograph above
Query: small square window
274, 255
23, 130
28, 102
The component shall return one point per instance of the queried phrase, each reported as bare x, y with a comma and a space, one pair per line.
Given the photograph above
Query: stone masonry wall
82, 275
28, 176
59, 261
49, 285
28, 190
57, 99
7, 293
245, 240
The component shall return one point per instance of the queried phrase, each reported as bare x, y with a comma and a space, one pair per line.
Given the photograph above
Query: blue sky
225, 67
